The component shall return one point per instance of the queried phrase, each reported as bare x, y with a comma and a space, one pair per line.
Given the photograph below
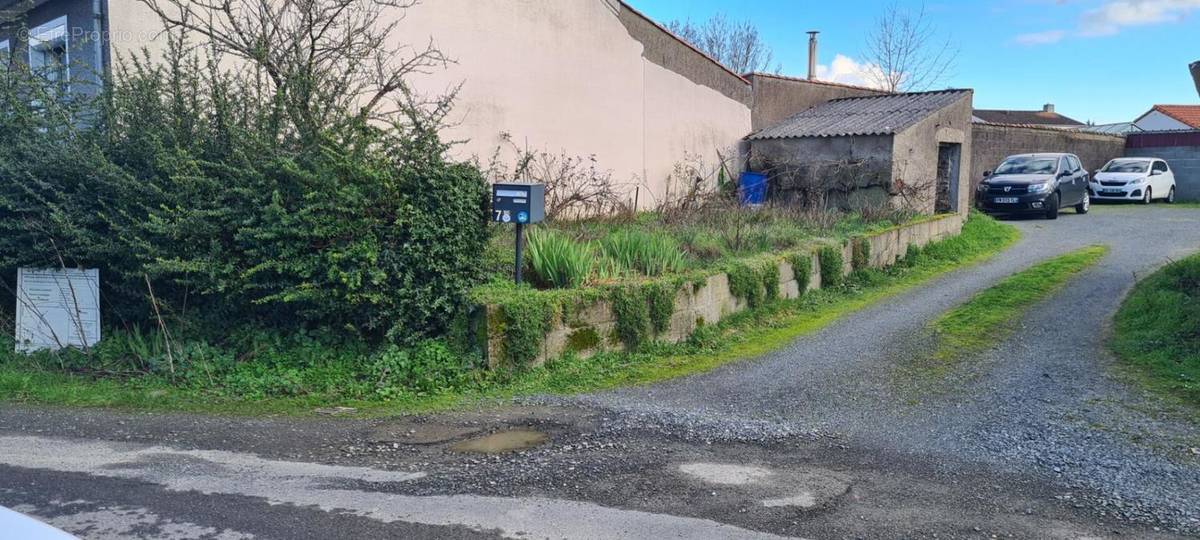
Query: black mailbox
518, 203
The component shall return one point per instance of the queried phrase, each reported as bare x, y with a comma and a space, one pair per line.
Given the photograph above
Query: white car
14, 525
1134, 179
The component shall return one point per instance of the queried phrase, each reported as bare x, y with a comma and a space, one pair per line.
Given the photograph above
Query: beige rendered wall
915, 155
564, 76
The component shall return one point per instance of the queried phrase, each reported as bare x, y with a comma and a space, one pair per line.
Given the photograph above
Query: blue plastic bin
752, 188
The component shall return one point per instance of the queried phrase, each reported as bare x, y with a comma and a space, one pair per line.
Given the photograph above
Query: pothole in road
420, 434
504, 441
723, 473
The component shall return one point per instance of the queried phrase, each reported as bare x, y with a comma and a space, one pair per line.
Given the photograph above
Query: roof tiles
868, 115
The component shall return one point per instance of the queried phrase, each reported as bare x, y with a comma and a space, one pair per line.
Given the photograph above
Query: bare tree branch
905, 48
736, 45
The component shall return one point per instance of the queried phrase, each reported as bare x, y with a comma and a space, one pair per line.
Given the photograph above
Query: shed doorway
949, 157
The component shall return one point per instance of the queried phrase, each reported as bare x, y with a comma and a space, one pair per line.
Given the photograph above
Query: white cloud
1111, 17
1040, 38
847, 70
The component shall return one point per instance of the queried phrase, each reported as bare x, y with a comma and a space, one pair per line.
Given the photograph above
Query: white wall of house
561, 76
1157, 121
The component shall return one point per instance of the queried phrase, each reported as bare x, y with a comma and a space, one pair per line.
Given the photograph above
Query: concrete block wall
991, 143
712, 301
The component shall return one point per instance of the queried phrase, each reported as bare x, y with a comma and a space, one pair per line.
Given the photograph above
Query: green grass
990, 316
1157, 331
742, 336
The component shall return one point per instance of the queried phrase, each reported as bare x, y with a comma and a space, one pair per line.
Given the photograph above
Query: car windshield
1126, 166
1027, 165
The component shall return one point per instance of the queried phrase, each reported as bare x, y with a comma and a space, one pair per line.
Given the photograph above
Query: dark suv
1034, 183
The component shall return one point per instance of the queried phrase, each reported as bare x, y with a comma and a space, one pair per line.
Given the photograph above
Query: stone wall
590, 328
991, 143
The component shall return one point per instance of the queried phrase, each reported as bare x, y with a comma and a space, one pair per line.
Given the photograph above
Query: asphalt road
828, 438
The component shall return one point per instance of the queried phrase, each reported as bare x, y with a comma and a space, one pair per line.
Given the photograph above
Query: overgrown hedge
193, 182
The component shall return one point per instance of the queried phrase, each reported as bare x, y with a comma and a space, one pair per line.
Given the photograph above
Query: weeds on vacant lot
1157, 330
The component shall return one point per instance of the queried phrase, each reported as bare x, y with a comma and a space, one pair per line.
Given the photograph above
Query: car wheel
1147, 196
1084, 205
1171, 195
1052, 207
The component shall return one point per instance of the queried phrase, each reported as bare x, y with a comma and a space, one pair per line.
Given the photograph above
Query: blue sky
1099, 60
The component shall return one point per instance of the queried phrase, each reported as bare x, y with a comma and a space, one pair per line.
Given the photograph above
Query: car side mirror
1155, 173
987, 174
1064, 174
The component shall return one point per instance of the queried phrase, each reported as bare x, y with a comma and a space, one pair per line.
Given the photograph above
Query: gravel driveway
826, 438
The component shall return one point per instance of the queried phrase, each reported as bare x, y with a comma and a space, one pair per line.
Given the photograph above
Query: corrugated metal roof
869, 115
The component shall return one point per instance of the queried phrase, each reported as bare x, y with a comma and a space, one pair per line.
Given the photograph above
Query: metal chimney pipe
812, 54
1195, 68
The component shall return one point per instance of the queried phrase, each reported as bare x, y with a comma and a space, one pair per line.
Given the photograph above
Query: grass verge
991, 315
1157, 331
743, 336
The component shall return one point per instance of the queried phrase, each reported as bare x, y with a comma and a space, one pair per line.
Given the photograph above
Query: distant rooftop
1188, 114
1044, 117
869, 115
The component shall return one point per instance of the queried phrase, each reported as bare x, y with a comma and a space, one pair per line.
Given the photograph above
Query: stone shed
907, 149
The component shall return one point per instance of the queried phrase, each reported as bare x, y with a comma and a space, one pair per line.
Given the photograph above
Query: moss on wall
831, 262
801, 269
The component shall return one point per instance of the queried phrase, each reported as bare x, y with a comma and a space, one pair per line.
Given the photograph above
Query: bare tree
737, 45
907, 52
321, 59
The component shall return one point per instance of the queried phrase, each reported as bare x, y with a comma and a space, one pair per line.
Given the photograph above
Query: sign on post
57, 309
521, 204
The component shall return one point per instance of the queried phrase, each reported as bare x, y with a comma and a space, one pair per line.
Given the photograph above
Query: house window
5, 53
48, 52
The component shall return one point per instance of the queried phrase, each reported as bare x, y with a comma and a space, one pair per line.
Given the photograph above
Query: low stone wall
584, 326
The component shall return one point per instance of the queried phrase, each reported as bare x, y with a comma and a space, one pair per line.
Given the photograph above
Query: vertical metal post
520, 236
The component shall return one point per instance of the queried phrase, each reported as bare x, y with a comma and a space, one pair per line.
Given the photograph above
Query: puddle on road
504, 441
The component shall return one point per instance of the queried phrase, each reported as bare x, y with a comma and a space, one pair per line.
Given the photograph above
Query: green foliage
632, 313
745, 283
661, 299
525, 319
830, 260
801, 269
558, 261
583, 339
769, 273
1157, 330
649, 253
192, 178
429, 367
860, 253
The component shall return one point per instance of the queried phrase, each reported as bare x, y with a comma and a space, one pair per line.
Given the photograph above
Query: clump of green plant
801, 269
746, 282
650, 253
830, 260
769, 273
860, 255
632, 313
558, 261
525, 319
428, 368
661, 298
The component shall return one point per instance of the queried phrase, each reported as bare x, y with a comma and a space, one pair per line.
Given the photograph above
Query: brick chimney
812, 54
1049, 108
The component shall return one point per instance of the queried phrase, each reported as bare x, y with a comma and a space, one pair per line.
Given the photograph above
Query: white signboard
57, 308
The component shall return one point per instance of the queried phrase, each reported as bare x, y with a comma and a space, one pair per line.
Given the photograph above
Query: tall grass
558, 261
649, 253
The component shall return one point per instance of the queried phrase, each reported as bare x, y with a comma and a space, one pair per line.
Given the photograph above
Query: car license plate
1005, 200
1112, 192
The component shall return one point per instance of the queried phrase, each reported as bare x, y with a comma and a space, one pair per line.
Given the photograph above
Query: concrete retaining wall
708, 302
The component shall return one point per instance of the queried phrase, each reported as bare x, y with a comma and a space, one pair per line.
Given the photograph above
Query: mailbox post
520, 204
